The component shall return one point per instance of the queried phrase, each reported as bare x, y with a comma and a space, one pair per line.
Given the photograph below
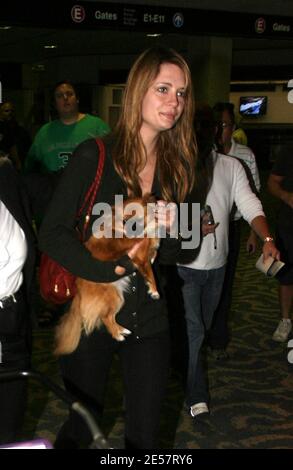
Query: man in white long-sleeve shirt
17, 263
230, 185
218, 337
203, 278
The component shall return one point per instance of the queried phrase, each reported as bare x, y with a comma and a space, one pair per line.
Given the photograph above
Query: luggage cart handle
99, 441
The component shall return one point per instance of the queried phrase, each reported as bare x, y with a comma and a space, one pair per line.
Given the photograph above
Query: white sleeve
254, 170
246, 201
4, 255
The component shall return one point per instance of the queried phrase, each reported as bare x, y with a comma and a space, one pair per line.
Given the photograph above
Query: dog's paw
120, 338
123, 333
154, 295
126, 332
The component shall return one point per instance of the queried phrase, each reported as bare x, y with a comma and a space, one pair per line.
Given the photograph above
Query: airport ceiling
24, 44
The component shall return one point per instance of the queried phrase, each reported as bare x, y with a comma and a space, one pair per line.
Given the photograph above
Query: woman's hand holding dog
166, 215
131, 253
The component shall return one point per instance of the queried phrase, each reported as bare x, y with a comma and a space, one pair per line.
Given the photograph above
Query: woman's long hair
205, 128
176, 148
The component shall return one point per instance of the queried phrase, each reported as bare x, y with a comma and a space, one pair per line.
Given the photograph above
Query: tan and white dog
98, 303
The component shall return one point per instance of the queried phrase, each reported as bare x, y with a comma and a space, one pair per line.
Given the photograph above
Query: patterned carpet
251, 393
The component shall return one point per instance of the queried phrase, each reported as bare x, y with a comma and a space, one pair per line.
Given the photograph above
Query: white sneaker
198, 409
282, 332
290, 344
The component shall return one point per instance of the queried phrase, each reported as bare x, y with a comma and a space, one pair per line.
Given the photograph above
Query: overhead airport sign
159, 19
152, 19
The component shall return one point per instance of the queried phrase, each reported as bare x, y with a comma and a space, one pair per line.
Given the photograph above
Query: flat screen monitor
253, 105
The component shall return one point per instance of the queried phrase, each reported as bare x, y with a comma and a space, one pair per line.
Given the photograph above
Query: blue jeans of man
201, 293
218, 336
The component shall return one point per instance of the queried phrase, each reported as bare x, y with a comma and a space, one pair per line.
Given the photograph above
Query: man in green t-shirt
54, 144
50, 152
55, 141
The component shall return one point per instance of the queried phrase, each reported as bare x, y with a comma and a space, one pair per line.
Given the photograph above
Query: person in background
239, 135
20, 136
50, 153
55, 141
280, 184
7, 139
152, 150
218, 337
17, 263
203, 278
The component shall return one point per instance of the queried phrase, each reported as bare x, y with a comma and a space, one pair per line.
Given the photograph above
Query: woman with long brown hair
152, 150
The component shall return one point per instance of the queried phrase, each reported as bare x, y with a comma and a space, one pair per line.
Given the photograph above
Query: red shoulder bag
57, 284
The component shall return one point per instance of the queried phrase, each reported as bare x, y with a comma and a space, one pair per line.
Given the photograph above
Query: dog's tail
68, 331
